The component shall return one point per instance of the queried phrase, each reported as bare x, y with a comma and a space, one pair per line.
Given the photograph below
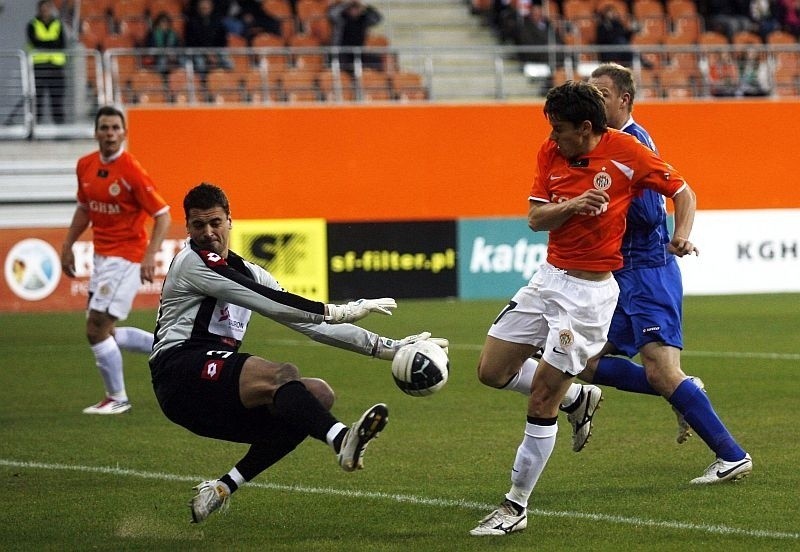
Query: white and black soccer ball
420, 369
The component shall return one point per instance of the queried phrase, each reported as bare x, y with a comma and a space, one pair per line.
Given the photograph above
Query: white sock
237, 477
108, 359
333, 432
532, 456
521, 383
572, 394
134, 339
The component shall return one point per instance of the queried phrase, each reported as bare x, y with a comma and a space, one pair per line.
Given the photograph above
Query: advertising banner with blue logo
497, 256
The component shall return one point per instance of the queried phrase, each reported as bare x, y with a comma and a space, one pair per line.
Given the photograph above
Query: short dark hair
621, 76
108, 111
575, 102
205, 196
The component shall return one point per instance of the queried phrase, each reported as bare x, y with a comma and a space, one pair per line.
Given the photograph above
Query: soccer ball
420, 369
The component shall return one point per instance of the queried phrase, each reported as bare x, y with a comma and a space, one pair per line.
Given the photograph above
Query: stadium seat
408, 86
374, 86
577, 9
223, 86
685, 29
122, 9
173, 8
93, 31
282, 11
710, 39
136, 27
299, 85
116, 41
746, 38
676, 83
184, 87
647, 86
781, 37
262, 88
275, 60
147, 87
642, 9
308, 11
305, 57
94, 8
335, 86
680, 8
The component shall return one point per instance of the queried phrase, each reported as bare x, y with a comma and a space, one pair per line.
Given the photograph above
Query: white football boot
108, 406
211, 496
580, 414
502, 521
368, 426
720, 471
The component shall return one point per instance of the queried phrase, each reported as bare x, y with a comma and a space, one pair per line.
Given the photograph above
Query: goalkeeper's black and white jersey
207, 300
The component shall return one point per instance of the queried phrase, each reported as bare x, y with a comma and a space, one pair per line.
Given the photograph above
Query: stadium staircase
431, 25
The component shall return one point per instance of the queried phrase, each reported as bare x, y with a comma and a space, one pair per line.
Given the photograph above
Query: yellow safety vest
48, 34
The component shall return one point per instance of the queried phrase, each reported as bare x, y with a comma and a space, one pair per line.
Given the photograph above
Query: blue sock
623, 374
693, 403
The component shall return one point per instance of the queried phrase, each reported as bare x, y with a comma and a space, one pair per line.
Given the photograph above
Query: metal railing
276, 76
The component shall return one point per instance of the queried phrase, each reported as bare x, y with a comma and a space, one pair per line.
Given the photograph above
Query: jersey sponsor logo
212, 370
212, 259
651, 329
104, 208
602, 181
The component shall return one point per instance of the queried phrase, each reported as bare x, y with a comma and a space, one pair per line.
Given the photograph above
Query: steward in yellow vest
46, 43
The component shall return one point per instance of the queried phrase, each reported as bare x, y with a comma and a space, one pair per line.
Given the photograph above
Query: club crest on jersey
602, 181
565, 338
114, 189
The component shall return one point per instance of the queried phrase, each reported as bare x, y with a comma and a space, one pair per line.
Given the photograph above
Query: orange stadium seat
299, 85
335, 87
282, 11
305, 59
642, 9
260, 87
184, 88
676, 83
223, 86
374, 85
408, 86
147, 87
680, 8
122, 9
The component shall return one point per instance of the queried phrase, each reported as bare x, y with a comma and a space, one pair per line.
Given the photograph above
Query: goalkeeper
202, 381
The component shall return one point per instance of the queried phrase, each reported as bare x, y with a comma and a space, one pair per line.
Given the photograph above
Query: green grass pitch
77, 482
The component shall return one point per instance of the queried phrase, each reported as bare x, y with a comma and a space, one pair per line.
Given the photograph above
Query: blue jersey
646, 235
650, 287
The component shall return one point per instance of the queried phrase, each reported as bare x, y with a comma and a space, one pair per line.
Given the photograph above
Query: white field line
418, 500
477, 347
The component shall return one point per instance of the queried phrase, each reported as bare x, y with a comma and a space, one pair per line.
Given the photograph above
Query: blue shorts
649, 308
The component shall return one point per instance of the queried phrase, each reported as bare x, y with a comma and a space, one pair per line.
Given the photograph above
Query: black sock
228, 480
301, 410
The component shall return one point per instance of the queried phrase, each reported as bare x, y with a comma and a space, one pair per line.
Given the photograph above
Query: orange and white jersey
119, 196
621, 166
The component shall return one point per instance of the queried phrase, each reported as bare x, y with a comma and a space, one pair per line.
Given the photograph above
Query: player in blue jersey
648, 316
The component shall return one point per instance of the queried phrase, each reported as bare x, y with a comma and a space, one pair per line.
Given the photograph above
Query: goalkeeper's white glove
356, 310
386, 347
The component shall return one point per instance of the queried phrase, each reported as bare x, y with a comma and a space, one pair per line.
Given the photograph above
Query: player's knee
285, 373
490, 376
321, 390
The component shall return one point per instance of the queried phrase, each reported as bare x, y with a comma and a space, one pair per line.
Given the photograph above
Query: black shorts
198, 389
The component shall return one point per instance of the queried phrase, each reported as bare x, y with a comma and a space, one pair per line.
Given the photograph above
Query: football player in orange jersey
115, 197
586, 176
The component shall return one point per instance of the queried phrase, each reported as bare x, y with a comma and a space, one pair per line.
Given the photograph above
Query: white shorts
566, 316
113, 285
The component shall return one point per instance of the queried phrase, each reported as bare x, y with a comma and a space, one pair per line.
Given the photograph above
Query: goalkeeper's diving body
202, 381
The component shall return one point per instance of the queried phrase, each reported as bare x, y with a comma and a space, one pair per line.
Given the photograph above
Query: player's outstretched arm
386, 347
356, 310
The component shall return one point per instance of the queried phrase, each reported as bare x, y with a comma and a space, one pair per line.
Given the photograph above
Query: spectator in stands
46, 41
350, 24
613, 31
723, 75
754, 76
256, 20
728, 16
789, 16
204, 29
763, 14
163, 35
535, 30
